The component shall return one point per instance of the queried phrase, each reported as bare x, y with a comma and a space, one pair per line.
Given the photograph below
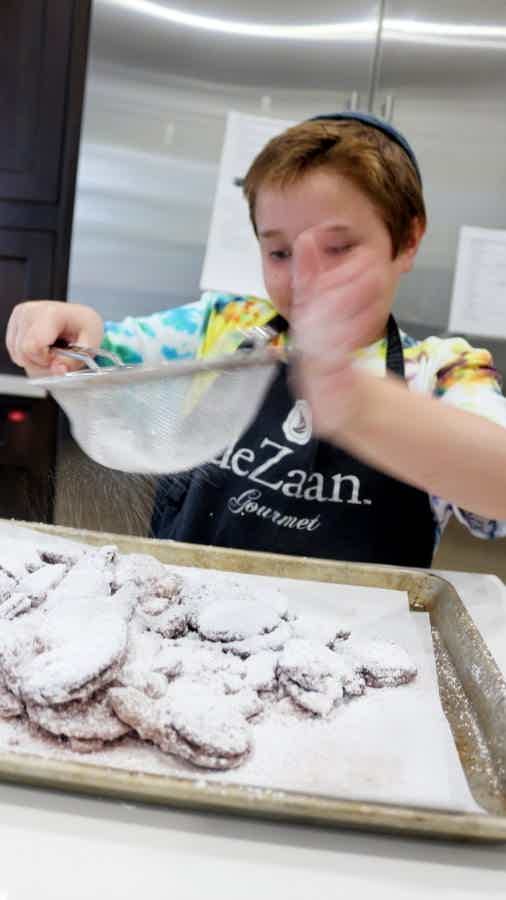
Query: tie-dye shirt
448, 368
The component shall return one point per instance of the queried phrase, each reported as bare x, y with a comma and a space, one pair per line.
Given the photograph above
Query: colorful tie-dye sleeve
212, 325
172, 334
465, 377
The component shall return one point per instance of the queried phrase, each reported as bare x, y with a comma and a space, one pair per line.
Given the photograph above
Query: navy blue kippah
380, 125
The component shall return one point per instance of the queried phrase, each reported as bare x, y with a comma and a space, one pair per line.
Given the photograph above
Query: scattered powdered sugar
207, 718
79, 666
320, 702
318, 679
260, 671
308, 663
17, 557
205, 663
138, 566
139, 668
9, 703
235, 618
274, 640
322, 629
41, 581
7, 584
14, 604
94, 720
247, 702
382, 663
171, 622
53, 556
91, 576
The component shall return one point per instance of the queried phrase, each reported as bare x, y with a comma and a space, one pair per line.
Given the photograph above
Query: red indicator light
17, 416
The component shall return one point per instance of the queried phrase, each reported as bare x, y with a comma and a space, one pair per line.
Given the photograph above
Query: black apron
280, 490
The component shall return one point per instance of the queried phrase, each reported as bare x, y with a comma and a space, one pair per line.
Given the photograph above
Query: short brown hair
377, 165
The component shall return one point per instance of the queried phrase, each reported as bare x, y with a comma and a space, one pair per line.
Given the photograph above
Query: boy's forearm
450, 453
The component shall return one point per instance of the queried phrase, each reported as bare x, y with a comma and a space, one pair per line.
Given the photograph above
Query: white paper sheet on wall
479, 289
232, 260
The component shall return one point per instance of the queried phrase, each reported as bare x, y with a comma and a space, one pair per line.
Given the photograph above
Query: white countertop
64, 847
20, 386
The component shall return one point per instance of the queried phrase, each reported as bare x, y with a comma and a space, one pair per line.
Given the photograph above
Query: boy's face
345, 224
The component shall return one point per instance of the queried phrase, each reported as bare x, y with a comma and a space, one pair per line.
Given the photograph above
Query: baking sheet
393, 745
488, 610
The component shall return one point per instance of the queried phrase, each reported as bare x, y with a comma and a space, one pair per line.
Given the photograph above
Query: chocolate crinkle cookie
204, 727
95, 646
80, 720
316, 678
380, 663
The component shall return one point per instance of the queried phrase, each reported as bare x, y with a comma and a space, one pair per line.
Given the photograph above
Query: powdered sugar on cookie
95, 645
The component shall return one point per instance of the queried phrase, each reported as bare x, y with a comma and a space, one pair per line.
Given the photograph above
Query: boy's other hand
339, 305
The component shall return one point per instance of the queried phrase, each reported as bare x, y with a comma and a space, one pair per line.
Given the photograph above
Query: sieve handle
85, 355
259, 336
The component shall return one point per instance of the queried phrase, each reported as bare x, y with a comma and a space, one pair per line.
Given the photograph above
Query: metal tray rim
240, 799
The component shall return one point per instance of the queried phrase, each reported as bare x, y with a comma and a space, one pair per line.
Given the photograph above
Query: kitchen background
157, 93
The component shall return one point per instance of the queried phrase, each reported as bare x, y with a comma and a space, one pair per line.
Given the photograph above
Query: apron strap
395, 353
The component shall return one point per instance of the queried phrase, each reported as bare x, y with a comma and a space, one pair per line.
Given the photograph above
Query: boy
353, 465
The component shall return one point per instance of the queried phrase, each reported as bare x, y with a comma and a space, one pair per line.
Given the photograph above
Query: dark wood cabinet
43, 52
34, 55
26, 269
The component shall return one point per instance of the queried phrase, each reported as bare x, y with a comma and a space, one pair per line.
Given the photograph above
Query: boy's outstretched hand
339, 305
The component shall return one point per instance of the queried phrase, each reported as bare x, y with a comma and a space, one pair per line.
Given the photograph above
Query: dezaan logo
297, 426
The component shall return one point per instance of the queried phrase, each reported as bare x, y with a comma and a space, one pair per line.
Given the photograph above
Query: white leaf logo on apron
297, 425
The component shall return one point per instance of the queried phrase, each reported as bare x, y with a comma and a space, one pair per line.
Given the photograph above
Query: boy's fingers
306, 266
89, 337
11, 339
60, 366
33, 349
85, 329
34, 326
33, 345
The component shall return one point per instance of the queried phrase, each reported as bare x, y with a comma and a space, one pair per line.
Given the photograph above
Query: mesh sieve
165, 418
